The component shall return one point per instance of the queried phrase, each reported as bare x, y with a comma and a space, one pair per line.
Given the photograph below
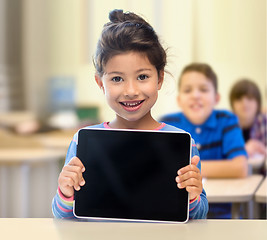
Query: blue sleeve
198, 209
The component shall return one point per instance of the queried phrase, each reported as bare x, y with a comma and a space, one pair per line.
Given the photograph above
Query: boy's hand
189, 177
71, 177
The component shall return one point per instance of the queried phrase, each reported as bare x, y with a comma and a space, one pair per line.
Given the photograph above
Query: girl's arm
198, 207
62, 207
198, 204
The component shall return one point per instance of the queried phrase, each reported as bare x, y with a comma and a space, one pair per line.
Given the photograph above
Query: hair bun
116, 15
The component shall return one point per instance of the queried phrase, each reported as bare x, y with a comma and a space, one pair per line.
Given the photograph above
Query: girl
129, 63
245, 99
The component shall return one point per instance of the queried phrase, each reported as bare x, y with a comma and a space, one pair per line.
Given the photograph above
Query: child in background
216, 132
245, 99
130, 63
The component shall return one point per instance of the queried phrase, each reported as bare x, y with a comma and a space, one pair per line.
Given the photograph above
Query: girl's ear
99, 82
160, 81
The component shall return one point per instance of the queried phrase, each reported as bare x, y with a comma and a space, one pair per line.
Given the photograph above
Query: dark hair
128, 32
245, 87
203, 68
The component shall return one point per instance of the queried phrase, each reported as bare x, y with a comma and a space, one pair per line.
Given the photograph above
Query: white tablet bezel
135, 220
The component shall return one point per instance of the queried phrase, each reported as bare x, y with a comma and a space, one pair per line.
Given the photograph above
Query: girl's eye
142, 77
116, 79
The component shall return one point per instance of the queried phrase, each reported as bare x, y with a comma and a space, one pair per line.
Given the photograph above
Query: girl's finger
77, 162
76, 171
192, 182
188, 168
195, 160
75, 178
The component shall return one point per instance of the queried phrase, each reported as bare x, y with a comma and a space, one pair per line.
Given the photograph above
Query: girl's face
130, 84
197, 97
246, 109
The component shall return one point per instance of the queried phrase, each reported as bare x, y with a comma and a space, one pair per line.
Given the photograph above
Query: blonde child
129, 62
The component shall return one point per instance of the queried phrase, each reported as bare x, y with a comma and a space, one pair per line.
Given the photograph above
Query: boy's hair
245, 87
203, 68
128, 32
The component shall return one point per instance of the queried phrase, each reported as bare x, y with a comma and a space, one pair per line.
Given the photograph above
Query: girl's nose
244, 100
131, 89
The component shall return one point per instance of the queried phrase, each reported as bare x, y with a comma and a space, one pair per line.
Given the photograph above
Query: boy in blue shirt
216, 132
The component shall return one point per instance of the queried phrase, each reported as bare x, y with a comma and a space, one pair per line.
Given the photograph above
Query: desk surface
15, 156
257, 162
232, 190
261, 194
9, 119
48, 228
56, 139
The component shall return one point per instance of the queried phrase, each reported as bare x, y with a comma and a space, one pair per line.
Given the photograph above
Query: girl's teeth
132, 104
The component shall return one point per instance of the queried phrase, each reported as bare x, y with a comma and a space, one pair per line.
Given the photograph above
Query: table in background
261, 194
239, 191
10, 119
256, 163
59, 139
48, 228
29, 169
260, 199
16, 169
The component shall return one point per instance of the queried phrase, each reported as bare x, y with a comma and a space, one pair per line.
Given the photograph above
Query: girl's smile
132, 106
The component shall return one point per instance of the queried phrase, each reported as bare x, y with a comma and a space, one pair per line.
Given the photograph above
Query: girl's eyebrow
121, 73
143, 69
115, 72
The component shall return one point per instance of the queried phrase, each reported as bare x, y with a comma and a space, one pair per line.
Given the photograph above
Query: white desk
261, 198
56, 139
48, 228
261, 194
12, 118
257, 162
237, 191
16, 167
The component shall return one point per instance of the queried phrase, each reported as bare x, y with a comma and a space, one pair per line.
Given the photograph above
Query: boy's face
197, 97
130, 84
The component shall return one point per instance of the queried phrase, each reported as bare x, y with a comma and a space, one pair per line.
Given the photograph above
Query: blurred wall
11, 77
59, 38
231, 36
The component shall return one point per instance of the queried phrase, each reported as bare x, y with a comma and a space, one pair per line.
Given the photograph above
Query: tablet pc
130, 175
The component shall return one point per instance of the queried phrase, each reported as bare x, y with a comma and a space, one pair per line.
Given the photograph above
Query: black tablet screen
131, 175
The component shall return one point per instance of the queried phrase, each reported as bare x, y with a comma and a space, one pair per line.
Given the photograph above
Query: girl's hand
189, 177
254, 146
71, 177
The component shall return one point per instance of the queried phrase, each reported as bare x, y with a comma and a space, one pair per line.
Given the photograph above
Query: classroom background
47, 75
